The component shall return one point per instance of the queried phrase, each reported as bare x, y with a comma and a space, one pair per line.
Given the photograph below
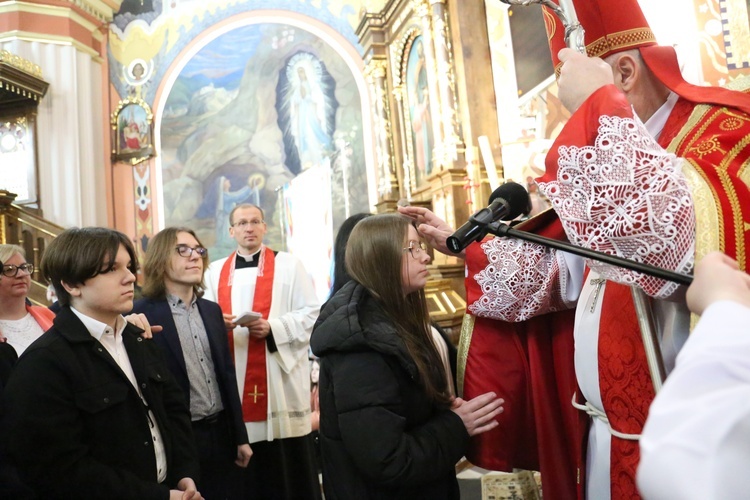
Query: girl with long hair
389, 426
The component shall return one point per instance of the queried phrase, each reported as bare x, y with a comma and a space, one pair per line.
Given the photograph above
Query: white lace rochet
626, 196
521, 280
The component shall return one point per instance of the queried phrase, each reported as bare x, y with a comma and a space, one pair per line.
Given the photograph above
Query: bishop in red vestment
649, 168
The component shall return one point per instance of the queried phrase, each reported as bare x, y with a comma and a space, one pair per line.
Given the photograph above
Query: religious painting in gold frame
417, 111
132, 123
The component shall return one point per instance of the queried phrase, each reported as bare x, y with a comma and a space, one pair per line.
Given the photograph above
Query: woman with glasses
10, 484
20, 323
389, 426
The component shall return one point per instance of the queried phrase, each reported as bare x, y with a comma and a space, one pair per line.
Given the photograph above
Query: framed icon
132, 124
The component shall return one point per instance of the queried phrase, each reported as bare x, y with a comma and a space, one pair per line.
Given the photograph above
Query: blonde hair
8, 251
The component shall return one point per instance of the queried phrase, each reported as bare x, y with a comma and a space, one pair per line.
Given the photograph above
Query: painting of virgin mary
419, 111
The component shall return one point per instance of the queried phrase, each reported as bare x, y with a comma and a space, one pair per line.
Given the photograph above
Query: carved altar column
423, 12
393, 37
407, 167
474, 89
451, 140
388, 186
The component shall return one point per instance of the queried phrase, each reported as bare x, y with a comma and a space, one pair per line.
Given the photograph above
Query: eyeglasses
186, 251
415, 248
242, 224
11, 270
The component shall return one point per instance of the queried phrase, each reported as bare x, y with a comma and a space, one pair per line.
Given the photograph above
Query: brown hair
158, 260
374, 257
340, 276
79, 254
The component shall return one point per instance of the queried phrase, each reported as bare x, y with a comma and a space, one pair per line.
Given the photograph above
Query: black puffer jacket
380, 435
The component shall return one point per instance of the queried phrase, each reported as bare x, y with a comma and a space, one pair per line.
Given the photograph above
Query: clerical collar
243, 261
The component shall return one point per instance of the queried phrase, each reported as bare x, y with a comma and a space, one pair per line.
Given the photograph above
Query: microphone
506, 203
511, 200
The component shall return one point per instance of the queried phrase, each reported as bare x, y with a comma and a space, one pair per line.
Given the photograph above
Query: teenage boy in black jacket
91, 409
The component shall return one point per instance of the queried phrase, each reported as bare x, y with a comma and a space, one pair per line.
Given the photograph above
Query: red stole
625, 381
255, 395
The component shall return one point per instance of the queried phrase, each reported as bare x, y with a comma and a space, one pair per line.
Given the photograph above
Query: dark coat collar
72, 328
352, 320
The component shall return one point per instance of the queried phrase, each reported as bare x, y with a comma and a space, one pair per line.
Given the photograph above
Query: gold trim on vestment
623, 40
467, 329
709, 224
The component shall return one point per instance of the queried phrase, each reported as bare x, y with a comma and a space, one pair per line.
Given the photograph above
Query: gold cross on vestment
255, 394
599, 282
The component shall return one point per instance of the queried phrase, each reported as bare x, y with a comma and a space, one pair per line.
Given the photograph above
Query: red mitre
612, 27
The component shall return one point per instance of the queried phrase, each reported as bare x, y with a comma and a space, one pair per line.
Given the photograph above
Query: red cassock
530, 365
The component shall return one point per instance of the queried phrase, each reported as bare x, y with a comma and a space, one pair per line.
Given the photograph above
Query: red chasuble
530, 363
255, 397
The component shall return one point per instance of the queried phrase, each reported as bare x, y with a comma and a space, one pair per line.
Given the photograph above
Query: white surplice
696, 441
294, 309
672, 324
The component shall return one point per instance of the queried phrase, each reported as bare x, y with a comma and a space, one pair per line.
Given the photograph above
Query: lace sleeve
521, 280
626, 196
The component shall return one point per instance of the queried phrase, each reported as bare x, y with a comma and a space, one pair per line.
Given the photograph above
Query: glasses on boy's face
242, 224
186, 251
11, 270
415, 248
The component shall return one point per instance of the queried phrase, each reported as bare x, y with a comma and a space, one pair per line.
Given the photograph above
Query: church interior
142, 114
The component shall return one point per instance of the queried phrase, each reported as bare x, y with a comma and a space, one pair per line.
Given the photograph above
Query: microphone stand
640, 299
500, 229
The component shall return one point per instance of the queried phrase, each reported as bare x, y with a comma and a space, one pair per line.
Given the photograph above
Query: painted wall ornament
138, 72
249, 111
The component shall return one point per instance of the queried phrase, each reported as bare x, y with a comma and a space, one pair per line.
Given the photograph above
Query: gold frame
401, 60
145, 149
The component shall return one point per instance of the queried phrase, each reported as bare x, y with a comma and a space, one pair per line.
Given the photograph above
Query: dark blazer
158, 312
10, 484
8, 358
76, 426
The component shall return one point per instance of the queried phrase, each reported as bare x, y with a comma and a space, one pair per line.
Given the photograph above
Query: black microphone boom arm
500, 229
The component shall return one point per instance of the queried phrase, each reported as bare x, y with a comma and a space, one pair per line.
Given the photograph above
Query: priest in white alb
270, 355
